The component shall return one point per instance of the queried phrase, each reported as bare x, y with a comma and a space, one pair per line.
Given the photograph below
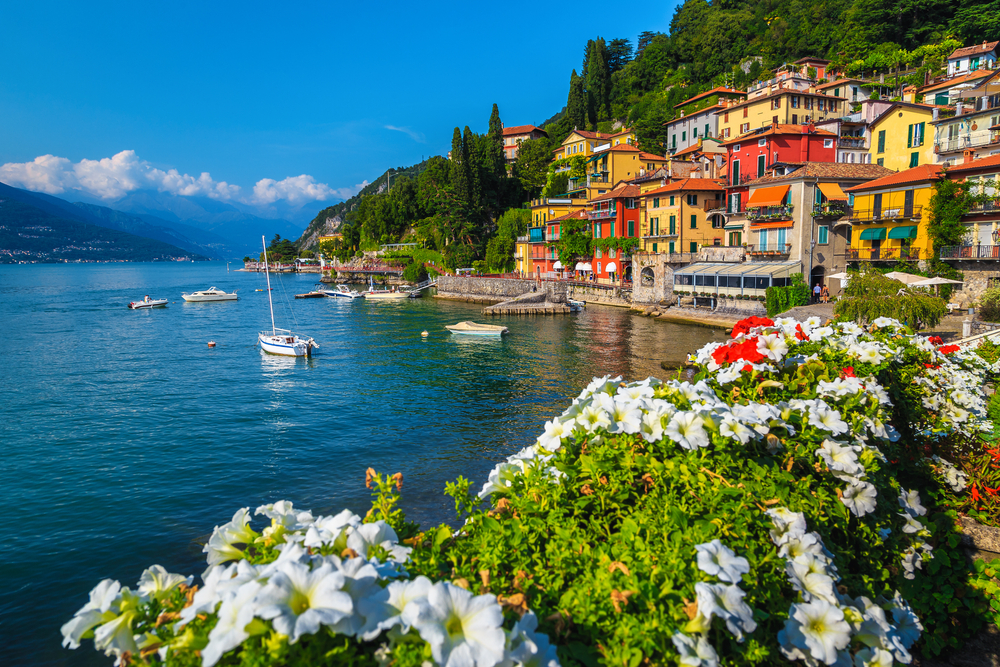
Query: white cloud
114, 177
412, 134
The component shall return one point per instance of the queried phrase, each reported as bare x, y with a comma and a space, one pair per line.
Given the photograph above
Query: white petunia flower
841, 457
229, 632
220, 547
101, 607
772, 346
377, 533
687, 429
624, 413
556, 431
716, 559
298, 600
818, 629
502, 477
391, 607
695, 652
860, 498
529, 648
462, 629
156, 581
828, 419
731, 427
331, 530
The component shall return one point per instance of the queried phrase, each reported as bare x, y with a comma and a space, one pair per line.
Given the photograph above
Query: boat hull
387, 296
141, 305
340, 295
287, 346
474, 329
191, 298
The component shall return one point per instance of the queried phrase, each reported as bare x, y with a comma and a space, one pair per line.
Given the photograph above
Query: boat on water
385, 294
575, 306
476, 329
282, 341
317, 293
148, 303
210, 294
343, 292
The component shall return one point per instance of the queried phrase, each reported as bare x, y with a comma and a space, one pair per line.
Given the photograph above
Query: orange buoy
211, 343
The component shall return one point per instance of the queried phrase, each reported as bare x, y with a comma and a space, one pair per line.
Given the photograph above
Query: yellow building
782, 106
542, 210
605, 168
889, 216
678, 217
584, 142
899, 138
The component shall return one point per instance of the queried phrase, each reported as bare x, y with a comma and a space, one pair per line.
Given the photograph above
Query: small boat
148, 303
343, 292
475, 329
210, 294
282, 341
575, 306
385, 294
317, 293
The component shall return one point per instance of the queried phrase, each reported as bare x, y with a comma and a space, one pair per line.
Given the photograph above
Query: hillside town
810, 172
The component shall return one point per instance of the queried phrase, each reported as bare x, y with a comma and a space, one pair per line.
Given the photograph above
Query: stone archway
818, 276
647, 279
627, 272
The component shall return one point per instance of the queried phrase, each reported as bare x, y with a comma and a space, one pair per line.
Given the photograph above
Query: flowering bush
789, 502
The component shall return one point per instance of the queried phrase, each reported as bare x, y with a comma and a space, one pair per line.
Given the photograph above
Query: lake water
124, 438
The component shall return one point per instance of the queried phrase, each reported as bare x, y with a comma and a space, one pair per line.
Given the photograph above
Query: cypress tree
497, 163
587, 53
576, 103
470, 169
599, 81
459, 162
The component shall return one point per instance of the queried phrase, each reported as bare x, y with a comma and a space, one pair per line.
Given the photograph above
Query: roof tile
920, 174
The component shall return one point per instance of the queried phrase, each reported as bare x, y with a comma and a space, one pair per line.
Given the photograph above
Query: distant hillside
331, 218
30, 234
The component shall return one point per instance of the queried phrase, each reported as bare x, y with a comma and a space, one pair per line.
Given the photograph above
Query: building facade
614, 218
682, 216
781, 107
900, 138
513, 136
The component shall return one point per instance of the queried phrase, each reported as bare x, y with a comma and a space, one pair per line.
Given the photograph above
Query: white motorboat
282, 341
343, 292
210, 294
385, 294
575, 306
475, 329
148, 303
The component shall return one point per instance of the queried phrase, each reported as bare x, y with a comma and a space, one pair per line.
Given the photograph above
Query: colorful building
900, 137
982, 222
753, 155
974, 129
513, 136
698, 118
606, 167
971, 58
889, 216
543, 210
584, 142
546, 262
682, 217
781, 107
614, 217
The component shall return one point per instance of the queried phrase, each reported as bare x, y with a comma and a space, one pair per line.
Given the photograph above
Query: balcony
602, 214
985, 207
775, 252
761, 213
716, 205
597, 179
852, 142
976, 140
884, 255
660, 236
831, 210
971, 252
906, 212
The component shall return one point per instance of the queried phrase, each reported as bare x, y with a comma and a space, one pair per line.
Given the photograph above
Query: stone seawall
481, 290
607, 297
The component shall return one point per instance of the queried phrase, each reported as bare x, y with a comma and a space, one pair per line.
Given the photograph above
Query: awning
904, 232
772, 224
611, 267
832, 191
872, 234
583, 266
734, 225
557, 265
774, 196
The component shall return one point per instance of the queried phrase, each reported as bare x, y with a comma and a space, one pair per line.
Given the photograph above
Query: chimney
968, 155
959, 108
935, 113
682, 113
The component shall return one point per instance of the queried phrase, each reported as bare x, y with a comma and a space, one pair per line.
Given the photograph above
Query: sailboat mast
267, 273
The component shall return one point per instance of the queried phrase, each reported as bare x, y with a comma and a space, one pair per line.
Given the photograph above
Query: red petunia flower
847, 372
948, 349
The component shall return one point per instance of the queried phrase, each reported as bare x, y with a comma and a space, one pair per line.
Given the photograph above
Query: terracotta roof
954, 81
522, 129
985, 47
786, 91
689, 185
575, 215
830, 171
690, 150
921, 174
844, 82
716, 90
629, 148
624, 190
984, 163
695, 114
769, 130
802, 61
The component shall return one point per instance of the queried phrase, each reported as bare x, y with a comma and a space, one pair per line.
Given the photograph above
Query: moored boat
317, 293
343, 292
476, 329
282, 341
148, 303
210, 294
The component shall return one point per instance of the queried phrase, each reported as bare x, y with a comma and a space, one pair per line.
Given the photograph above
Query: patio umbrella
839, 276
927, 282
907, 278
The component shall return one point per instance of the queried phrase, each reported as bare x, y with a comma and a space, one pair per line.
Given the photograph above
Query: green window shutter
671, 247
914, 160
684, 136
673, 224
671, 200
824, 234
881, 141
631, 228
656, 202
707, 130
694, 221
921, 134
694, 246
654, 247
880, 162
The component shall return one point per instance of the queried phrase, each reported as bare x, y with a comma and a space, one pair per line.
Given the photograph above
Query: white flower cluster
823, 625
913, 556
721, 600
357, 595
952, 476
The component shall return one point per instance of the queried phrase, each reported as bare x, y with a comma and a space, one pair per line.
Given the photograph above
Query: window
914, 159
821, 106
597, 230
880, 162
761, 165
852, 158
795, 101
707, 130
598, 267
692, 200
631, 228
828, 143
762, 142
734, 203
915, 135
795, 119
654, 226
881, 142
774, 120
836, 92
725, 133
671, 200
736, 148
611, 253
824, 234
776, 103
694, 221
725, 117
694, 133
673, 140
717, 222
673, 225
598, 254
656, 202
744, 128
671, 248
735, 177
746, 110
809, 104
654, 247
684, 136
630, 202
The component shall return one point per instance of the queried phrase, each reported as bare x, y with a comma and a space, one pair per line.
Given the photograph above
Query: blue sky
251, 91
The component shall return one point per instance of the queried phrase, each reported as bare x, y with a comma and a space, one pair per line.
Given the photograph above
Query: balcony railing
770, 250
852, 142
832, 210
971, 252
769, 213
886, 214
985, 206
660, 235
602, 213
960, 143
883, 254
713, 205
597, 178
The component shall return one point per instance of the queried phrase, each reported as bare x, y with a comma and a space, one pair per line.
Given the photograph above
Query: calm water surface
124, 438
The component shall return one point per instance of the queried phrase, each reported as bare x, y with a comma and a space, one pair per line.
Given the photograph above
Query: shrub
989, 305
869, 296
414, 273
780, 299
790, 502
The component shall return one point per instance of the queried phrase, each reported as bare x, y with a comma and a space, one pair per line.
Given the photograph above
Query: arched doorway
627, 272
818, 277
647, 279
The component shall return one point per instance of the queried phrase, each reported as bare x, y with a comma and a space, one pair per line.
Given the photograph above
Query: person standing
816, 292
824, 296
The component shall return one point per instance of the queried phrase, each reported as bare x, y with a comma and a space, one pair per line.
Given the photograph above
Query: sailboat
282, 341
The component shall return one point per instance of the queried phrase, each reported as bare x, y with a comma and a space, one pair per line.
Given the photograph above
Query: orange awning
832, 191
773, 224
768, 196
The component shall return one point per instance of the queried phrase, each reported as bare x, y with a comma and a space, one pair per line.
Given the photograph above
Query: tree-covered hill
28, 234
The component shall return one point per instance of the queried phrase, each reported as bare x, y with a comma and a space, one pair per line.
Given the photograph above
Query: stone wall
977, 279
482, 290
608, 297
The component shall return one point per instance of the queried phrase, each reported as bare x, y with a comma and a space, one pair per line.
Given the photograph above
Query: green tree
619, 54
598, 78
576, 103
531, 165
575, 241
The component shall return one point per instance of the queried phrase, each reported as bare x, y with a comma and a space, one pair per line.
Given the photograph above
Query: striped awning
773, 196
771, 224
832, 191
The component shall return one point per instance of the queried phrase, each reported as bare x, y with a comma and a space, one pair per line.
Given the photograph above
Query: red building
513, 136
614, 215
762, 152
